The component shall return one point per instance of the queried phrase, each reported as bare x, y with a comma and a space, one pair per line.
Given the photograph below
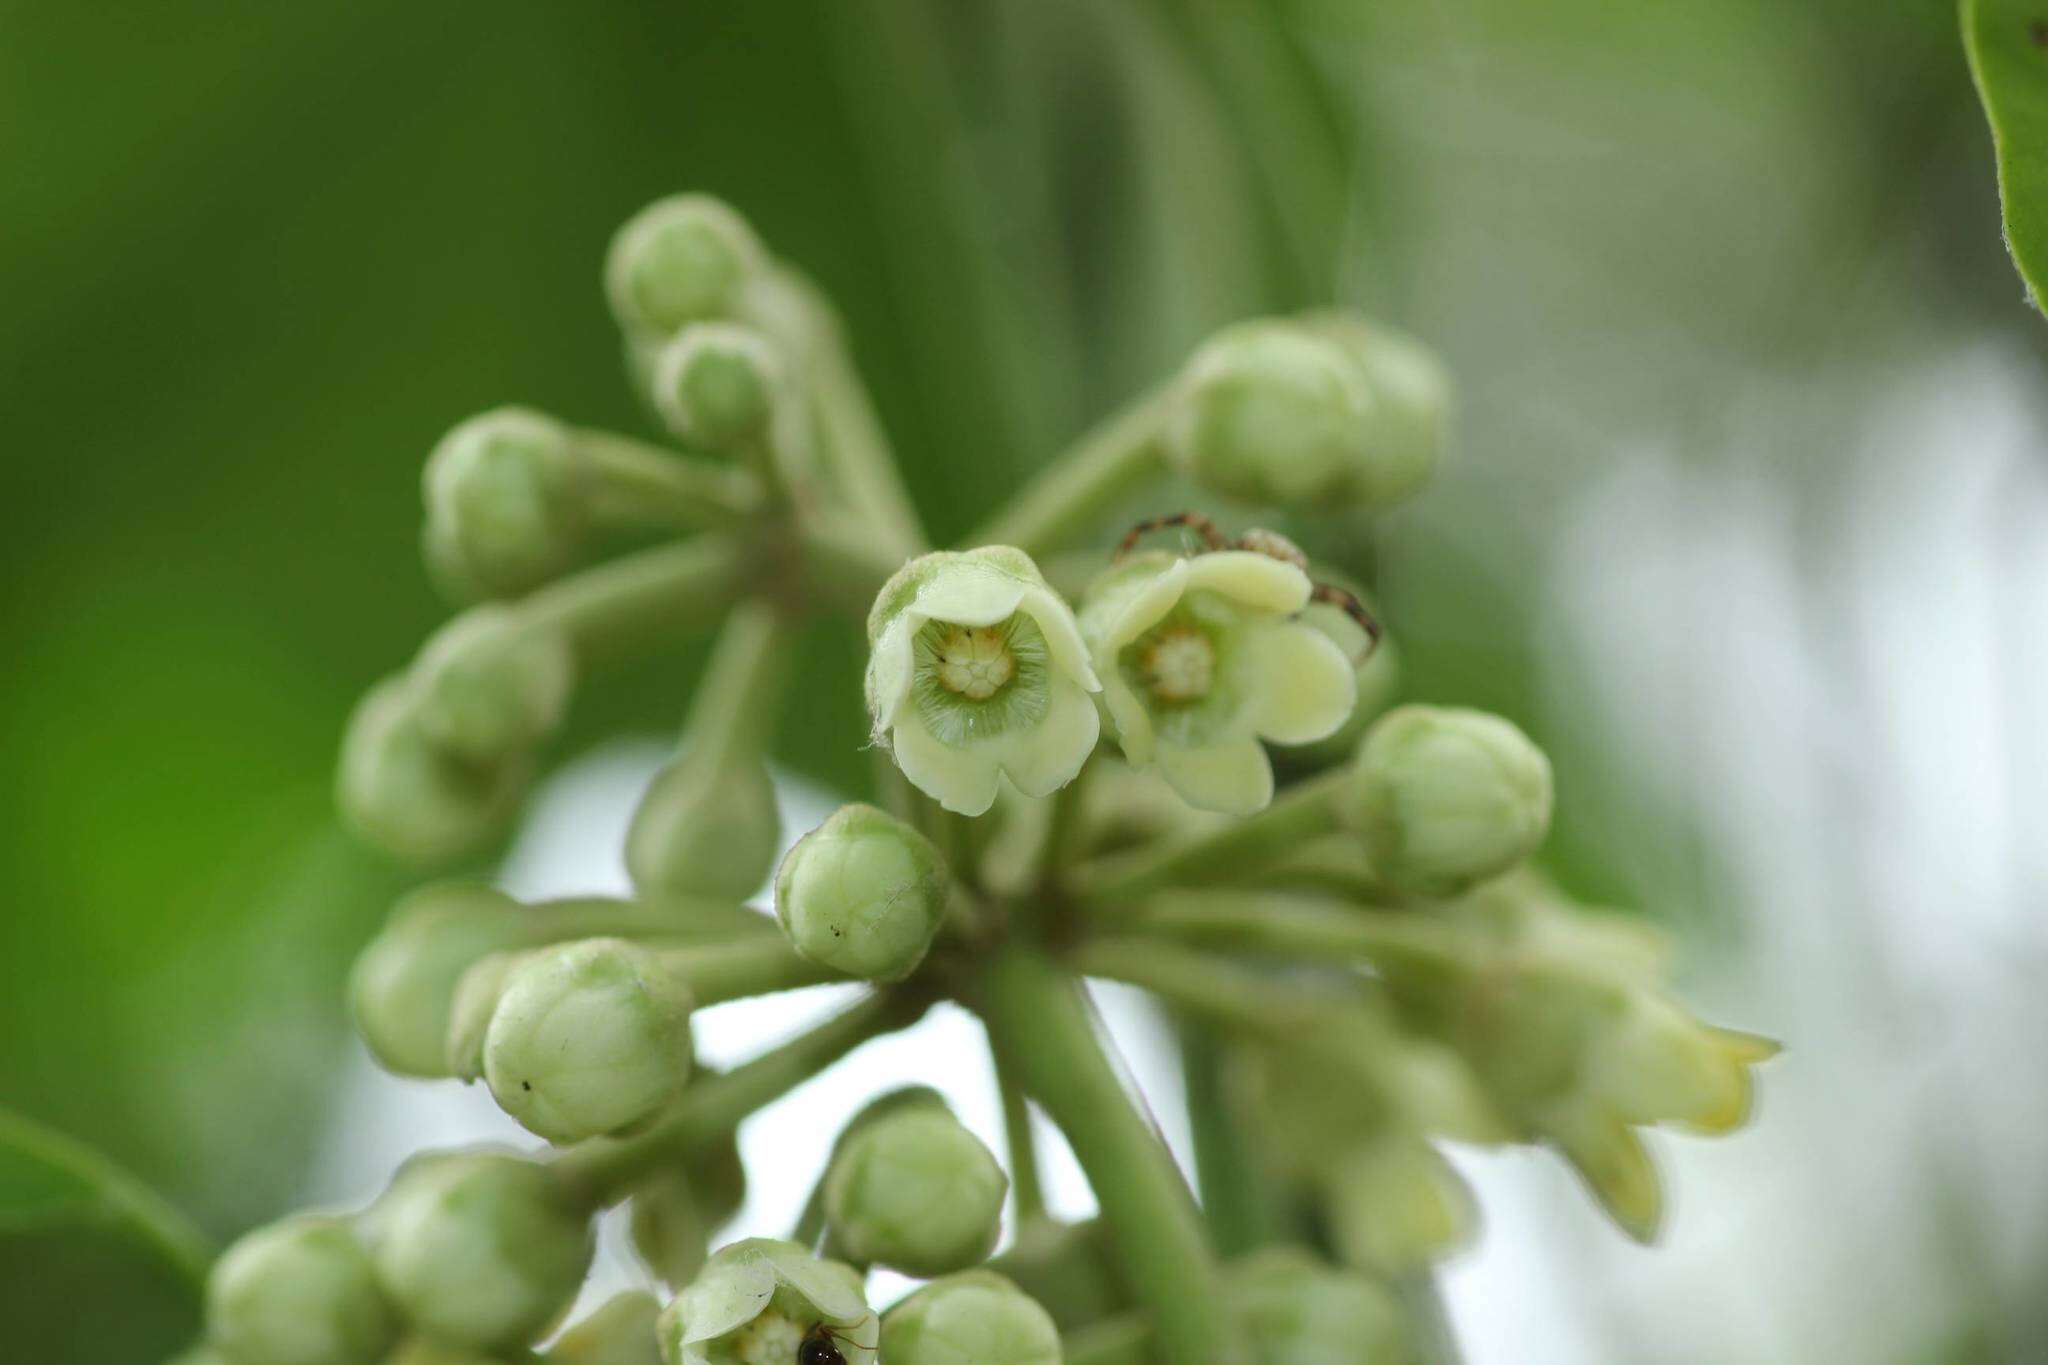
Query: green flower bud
759, 1301
505, 502
1298, 1311
480, 1249
1308, 414
974, 1318
427, 1351
683, 259
403, 986
490, 688
411, 797
1201, 658
300, 1292
862, 893
705, 827
587, 1039
715, 383
469, 1016
1445, 798
1612, 1161
620, 1332
976, 669
675, 1214
914, 1190
1658, 1064
1394, 1205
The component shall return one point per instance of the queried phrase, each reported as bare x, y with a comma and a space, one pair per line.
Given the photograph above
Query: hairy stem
1233, 851
1082, 486
1036, 1014
613, 607
606, 1170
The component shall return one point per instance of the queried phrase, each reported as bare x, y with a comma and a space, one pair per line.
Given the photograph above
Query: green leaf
49, 1181
2007, 41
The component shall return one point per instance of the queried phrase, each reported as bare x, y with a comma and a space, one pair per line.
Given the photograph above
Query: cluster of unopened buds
1076, 767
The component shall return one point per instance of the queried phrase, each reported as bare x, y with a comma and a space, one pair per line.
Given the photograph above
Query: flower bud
490, 688
683, 259
862, 893
1446, 798
1308, 413
480, 1249
587, 1039
705, 827
403, 985
1298, 1311
759, 1301
675, 1214
299, 1292
409, 796
469, 1015
620, 1332
1394, 1205
973, 1318
715, 384
505, 502
914, 1190
1202, 658
976, 669
427, 1351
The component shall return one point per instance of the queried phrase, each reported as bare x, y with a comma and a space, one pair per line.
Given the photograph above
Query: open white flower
1202, 658
976, 669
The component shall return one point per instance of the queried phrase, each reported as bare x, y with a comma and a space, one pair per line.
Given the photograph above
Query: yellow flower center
1179, 665
974, 661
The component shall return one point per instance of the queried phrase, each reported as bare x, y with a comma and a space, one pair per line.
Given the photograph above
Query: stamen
1179, 665
975, 662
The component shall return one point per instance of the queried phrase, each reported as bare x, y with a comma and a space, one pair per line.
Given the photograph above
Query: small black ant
817, 1347
1271, 544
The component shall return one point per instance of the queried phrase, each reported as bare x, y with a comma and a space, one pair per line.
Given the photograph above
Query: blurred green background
256, 257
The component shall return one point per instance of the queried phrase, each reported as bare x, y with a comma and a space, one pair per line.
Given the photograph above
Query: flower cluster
1175, 768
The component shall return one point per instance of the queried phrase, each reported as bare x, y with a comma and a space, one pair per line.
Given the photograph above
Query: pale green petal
832, 1288
1255, 580
890, 666
1042, 760
1232, 778
1128, 716
967, 592
1307, 687
1144, 609
729, 1293
1062, 635
961, 780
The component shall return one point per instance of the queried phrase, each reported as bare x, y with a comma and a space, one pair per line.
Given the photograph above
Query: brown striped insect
1258, 541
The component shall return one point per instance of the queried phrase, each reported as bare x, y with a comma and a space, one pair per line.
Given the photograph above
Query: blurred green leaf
2008, 45
48, 1180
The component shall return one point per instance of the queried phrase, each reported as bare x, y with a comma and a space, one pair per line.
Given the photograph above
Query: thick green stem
1119, 1341
1210, 987
1232, 852
116, 1197
607, 1169
859, 450
753, 964
632, 483
1234, 1195
845, 563
1084, 485
1037, 1015
616, 606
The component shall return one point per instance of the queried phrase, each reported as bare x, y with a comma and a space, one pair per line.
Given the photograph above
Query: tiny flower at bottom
976, 670
1202, 658
759, 1301
974, 1318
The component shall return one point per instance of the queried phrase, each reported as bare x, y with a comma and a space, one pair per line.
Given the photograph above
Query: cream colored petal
1308, 686
1256, 580
1045, 758
1233, 778
1128, 717
1062, 635
1146, 608
967, 592
961, 780
890, 665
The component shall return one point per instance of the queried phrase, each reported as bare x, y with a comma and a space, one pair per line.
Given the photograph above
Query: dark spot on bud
526, 1085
